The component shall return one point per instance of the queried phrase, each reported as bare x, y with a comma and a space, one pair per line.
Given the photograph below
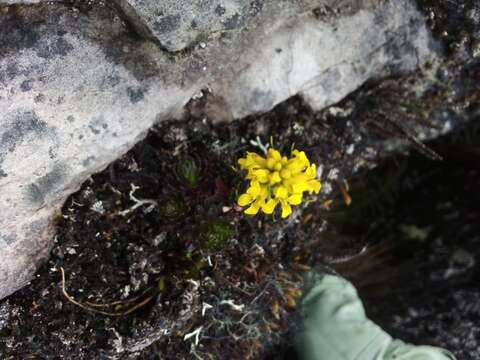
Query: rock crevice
78, 89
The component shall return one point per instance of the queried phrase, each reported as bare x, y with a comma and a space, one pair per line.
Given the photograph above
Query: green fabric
334, 326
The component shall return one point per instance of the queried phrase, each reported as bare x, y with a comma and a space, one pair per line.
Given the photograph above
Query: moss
188, 171
215, 234
173, 208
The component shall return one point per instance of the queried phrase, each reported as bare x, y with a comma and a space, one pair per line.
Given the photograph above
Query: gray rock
325, 60
13, 2
176, 24
78, 89
75, 93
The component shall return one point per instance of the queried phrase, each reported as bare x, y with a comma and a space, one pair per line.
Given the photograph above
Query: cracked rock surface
177, 24
79, 87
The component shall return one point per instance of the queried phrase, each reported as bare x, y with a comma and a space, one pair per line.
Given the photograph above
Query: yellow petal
242, 162
263, 191
271, 163
285, 174
295, 166
295, 199
300, 155
300, 187
260, 173
274, 154
311, 171
245, 199
252, 210
263, 180
252, 160
286, 209
280, 192
275, 178
257, 158
254, 189
269, 206
314, 186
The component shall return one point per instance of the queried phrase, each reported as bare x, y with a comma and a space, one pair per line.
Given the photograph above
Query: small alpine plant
277, 180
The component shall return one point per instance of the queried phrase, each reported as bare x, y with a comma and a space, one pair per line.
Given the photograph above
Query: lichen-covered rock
179, 24
75, 93
14, 2
175, 24
325, 60
78, 88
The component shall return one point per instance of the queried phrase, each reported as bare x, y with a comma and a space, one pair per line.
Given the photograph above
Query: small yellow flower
277, 180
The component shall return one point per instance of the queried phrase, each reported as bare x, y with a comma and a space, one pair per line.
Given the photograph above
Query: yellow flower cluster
277, 180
